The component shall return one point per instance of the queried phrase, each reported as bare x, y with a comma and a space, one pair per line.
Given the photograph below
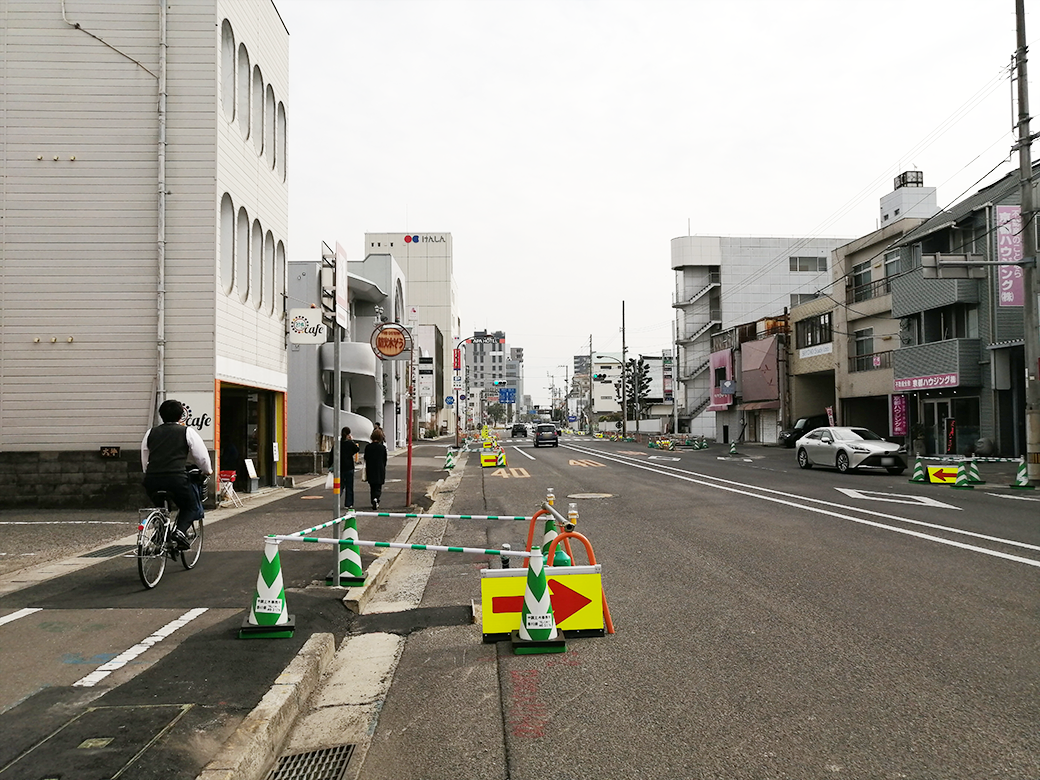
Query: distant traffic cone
268, 616
350, 571
962, 478
973, 473
732, 448
538, 632
1022, 478
919, 473
449, 461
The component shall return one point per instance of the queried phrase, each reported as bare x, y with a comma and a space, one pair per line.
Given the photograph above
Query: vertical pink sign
1010, 282
899, 426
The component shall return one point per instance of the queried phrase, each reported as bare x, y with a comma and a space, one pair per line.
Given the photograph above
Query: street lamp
624, 393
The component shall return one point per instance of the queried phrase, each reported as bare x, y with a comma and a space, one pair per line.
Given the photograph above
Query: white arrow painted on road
895, 498
1013, 498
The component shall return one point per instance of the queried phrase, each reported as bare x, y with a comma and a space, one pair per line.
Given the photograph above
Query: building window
813, 331
269, 126
282, 146
797, 299
242, 255
227, 70
269, 271
808, 263
258, 109
256, 264
279, 279
893, 264
242, 91
227, 244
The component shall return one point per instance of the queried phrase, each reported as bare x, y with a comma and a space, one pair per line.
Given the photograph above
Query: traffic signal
600, 377
498, 382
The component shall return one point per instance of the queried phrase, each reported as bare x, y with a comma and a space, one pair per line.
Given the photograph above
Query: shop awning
748, 407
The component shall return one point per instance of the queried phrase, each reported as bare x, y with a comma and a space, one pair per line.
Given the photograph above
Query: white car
850, 448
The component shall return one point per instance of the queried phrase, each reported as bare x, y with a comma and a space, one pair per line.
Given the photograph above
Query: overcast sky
564, 143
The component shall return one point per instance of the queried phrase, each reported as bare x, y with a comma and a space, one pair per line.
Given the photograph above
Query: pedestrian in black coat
375, 466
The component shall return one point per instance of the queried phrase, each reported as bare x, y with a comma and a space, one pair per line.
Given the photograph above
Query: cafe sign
391, 341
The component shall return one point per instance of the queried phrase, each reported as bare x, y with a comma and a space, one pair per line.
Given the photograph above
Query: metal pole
411, 425
624, 388
1031, 325
591, 402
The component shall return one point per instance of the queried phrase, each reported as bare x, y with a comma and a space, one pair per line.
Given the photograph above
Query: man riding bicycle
167, 451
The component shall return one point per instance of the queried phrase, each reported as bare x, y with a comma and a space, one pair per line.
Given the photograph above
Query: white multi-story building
144, 193
721, 282
426, 260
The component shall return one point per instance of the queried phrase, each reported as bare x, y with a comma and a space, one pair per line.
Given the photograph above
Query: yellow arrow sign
576, 593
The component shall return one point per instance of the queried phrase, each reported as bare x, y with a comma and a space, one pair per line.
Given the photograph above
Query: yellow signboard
492, 458
944, 474
576, 593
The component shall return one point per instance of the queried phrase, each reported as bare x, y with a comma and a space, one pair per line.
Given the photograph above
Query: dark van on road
802, 426
545, 433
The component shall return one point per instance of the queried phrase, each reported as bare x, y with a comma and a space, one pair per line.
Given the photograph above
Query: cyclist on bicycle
167, 451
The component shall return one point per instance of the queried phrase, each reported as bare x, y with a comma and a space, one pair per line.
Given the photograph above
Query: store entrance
248, 432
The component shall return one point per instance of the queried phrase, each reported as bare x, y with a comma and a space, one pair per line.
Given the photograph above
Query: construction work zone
963, 473
517, 604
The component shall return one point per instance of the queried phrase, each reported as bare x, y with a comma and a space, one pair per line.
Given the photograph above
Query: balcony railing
864, 292
871, 362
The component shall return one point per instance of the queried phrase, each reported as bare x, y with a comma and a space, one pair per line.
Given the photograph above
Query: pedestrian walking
375, 466
348, 453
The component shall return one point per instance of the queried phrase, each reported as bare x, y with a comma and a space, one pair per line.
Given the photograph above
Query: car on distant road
519, 429
847, 449
545, 433
802, 426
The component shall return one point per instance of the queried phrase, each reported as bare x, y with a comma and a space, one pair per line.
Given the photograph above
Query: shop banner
1010, 279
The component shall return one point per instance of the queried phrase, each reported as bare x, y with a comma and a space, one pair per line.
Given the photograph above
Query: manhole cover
591, 495
325, 764
110, 552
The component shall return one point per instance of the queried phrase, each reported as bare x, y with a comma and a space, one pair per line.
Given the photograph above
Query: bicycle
155, 544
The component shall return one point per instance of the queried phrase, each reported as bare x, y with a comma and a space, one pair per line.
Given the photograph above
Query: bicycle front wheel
151, 549
190, 556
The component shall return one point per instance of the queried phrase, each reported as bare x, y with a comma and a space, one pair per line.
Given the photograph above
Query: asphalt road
769, 623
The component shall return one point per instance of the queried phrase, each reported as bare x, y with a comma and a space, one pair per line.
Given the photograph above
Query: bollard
505, 558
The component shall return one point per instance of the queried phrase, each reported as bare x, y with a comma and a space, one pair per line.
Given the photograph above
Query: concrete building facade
144, 187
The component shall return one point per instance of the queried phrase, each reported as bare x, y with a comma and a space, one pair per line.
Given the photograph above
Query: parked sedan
850, 448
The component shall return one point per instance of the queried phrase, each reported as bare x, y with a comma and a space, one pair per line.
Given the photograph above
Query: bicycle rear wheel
190, 556
151, 549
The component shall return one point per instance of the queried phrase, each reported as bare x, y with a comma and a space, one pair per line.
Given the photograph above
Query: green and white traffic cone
1022, 478
962, 478
350, 571
732, 448
560, 557
268, 616
919, 473
973, 473
537, 632
449, 461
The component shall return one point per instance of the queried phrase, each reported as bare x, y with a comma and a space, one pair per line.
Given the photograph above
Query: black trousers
182, 491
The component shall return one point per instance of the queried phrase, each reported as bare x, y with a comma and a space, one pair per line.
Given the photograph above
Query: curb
251, 751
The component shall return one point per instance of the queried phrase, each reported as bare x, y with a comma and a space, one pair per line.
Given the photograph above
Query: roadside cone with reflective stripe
268, 616
349, 556
538, 632
1022, 478
962, 478
919, 475
973, 473
732, 448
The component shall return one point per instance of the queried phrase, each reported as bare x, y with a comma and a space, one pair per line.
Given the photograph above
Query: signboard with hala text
391, 341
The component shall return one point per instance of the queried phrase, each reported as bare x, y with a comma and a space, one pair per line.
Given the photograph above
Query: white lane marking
66, 522
1013, 498
127, 656
802, 505
663, 457
895, 498
19, 614
529, 457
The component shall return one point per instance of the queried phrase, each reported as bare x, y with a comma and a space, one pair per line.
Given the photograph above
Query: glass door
937, 423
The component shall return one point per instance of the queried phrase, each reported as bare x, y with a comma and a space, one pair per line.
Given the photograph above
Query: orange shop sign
391, 341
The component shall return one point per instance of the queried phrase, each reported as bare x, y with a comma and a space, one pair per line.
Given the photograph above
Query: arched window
242, 255
227, 70
279, 279
258, 109
242, 93
256, 264
269, 122
269, 272
282, 145
227, 244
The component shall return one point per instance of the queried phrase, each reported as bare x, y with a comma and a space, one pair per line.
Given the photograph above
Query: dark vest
167, 449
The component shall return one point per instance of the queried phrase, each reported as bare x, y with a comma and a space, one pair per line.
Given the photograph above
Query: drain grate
110, 552
324, 764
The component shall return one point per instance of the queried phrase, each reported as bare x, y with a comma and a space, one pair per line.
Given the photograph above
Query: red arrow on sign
565, 601
944, 474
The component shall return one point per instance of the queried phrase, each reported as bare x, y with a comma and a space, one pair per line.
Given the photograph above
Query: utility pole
1030, 323
591, 404
624, 370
